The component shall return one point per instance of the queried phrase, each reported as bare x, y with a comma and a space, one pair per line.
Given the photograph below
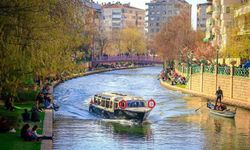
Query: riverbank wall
205, 80
49, 114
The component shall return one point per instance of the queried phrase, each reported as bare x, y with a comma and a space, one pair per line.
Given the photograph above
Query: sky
141, 4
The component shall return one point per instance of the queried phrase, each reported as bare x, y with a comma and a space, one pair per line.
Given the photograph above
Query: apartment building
159, 12
242, 17
118, 16
203, 16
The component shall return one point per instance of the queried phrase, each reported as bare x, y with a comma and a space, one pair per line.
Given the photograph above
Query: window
107, 104
110, 104
227, 9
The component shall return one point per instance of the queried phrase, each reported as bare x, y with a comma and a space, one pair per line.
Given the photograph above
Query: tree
104, 42
203, 50
174, 36
38, 38
238, 45
132, 41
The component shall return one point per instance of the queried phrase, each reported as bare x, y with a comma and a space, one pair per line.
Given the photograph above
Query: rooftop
118, 5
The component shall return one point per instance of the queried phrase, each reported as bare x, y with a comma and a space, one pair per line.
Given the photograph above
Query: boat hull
119, 113
223, 113
227, 114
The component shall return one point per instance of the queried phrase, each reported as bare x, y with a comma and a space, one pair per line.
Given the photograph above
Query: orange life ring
151, 103
123, 104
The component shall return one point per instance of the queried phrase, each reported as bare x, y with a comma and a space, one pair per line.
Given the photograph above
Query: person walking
219, 96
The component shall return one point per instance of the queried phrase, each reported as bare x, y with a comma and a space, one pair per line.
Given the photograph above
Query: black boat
115, 105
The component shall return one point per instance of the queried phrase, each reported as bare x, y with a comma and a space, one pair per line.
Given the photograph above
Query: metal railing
224, 70
196, 69
128, 58
242, 72
209, 69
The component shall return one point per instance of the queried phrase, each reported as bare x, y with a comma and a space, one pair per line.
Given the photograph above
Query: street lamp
217, 56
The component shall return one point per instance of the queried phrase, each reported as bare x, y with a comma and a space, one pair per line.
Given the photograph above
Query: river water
173, 123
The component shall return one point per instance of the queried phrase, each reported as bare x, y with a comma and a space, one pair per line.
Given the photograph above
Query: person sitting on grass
26, 133
9, 104
4, 124
37, 136
26, 116
40, 101
35, 115
48, 104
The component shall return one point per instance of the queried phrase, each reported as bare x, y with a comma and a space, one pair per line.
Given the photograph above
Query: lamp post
217, 55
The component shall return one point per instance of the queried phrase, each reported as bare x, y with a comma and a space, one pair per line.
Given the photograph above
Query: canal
173, 124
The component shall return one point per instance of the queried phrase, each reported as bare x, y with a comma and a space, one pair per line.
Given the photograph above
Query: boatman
219, 96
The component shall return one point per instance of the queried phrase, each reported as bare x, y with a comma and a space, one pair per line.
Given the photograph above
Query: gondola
223, 112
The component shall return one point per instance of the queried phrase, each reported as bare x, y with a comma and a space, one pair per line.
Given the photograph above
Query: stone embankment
229, 101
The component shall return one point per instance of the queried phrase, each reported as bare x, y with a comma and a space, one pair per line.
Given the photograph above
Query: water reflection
134, 130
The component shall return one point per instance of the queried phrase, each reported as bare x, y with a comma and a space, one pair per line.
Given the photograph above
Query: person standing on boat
219, 96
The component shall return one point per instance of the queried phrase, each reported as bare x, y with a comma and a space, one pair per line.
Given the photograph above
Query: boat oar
200, 107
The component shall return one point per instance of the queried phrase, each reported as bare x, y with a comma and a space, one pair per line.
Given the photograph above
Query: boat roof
118, 96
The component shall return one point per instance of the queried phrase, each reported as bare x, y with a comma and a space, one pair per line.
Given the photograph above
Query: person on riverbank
35, 115
40, 101
26, 116
219, 96
26, 133
9, 104
37, 136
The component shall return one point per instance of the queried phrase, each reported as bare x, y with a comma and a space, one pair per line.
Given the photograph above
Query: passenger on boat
221, 107
219, 96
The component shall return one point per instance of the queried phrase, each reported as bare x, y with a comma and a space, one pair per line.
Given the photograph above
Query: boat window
111, 104
116, 105
132, 103
103, 103
107, 104
98, 101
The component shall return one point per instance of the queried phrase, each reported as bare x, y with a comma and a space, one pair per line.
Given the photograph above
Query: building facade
242, 17
225, 15
202, 15
118, 16
159, 12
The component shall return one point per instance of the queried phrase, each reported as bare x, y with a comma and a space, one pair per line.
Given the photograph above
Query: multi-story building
93, 17
242, 17
223, 18
159, 12
202, 15
119, 16
226, 14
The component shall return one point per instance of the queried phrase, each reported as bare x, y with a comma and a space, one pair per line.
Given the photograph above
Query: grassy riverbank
13, 141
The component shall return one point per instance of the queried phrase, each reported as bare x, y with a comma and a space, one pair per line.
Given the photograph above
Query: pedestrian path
47, 130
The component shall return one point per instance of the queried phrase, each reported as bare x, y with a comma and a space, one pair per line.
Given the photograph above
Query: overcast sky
141, 4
